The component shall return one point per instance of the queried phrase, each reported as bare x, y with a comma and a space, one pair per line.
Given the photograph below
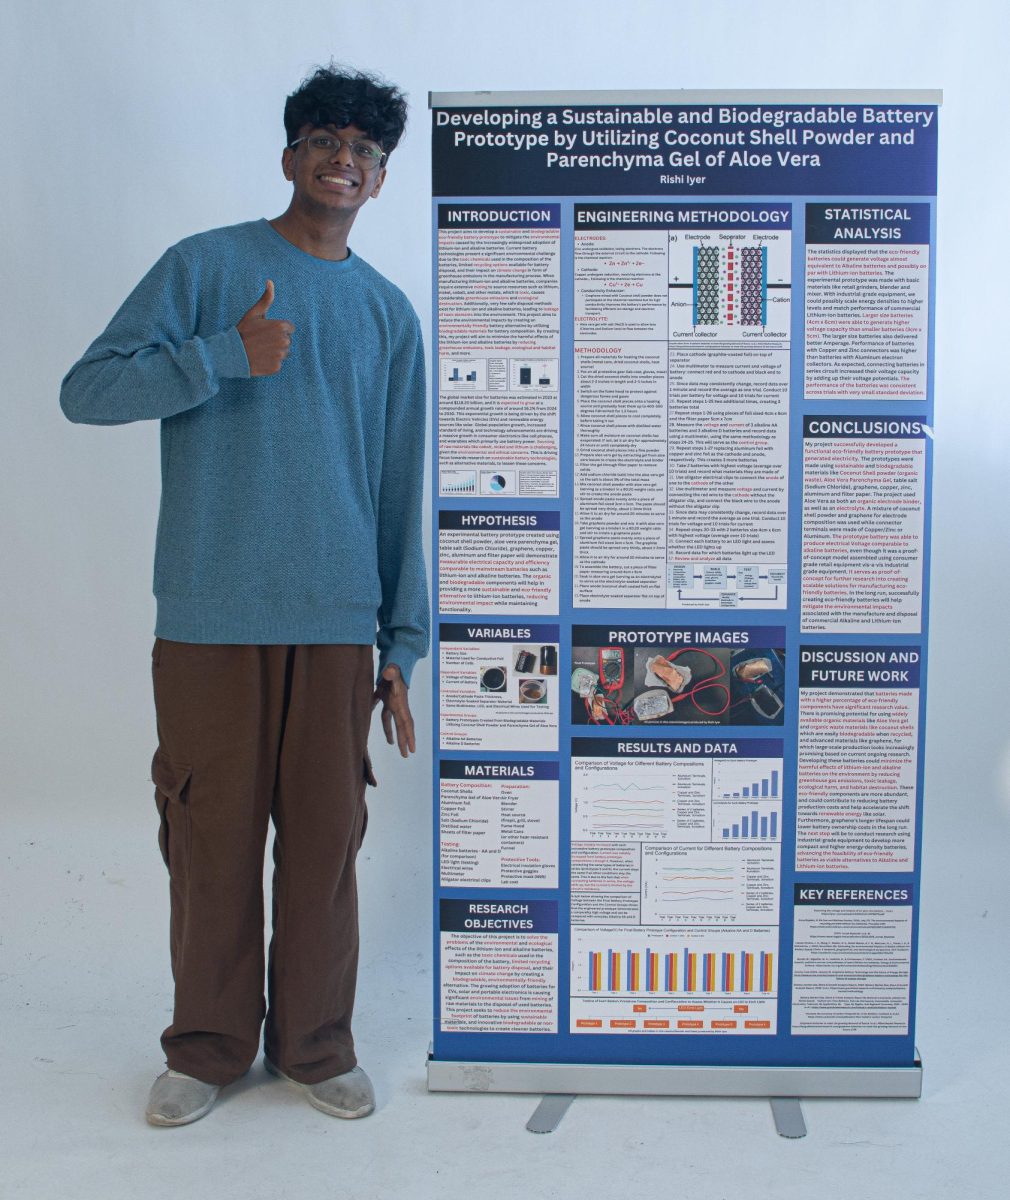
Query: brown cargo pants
247, 734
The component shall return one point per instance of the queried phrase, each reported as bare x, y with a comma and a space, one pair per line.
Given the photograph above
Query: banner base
615, 1079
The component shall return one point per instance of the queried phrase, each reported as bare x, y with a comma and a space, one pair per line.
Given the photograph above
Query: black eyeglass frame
366, 159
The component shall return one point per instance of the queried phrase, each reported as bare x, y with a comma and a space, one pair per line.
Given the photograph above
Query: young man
288, 376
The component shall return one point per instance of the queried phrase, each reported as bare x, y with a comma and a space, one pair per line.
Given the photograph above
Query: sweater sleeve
403, 617
149, 363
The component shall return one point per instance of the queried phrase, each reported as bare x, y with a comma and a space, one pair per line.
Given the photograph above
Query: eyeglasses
367, 154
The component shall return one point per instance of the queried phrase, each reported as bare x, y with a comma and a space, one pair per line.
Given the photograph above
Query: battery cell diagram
730, 284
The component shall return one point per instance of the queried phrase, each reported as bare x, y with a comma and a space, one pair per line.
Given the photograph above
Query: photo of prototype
757, 685
676, 685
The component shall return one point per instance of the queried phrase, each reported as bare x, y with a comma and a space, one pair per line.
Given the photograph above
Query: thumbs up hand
267, 343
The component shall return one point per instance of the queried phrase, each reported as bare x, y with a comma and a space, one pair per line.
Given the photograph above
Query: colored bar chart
754, 825
687, 972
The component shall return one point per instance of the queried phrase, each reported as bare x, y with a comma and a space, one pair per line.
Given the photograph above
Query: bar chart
747, 802
681, 800
686, 972
714, 963
460, 374
457, 483
532, 373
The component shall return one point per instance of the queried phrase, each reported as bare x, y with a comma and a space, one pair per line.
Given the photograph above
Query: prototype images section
677, 676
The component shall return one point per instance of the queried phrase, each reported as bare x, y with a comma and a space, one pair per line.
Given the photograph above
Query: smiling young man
288, 376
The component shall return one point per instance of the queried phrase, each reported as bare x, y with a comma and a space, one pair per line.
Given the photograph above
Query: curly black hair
333, 96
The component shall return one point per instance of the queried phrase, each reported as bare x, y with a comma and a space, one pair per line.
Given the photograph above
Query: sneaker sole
161, 1120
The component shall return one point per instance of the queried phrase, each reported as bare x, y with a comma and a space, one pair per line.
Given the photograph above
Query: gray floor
84, 990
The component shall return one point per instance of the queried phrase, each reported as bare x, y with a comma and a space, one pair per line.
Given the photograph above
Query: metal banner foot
548, 1114
788, 1116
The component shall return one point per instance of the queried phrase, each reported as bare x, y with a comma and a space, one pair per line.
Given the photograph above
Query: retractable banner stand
683, 353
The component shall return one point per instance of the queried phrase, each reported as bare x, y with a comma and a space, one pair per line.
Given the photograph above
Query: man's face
331, 181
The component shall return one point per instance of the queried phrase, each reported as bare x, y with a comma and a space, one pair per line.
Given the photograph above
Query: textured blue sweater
291, 503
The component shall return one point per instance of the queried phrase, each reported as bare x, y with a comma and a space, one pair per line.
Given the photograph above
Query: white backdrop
131, 124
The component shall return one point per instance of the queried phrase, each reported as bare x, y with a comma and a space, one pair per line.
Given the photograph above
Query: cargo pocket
171, 782
369, 774
370, 781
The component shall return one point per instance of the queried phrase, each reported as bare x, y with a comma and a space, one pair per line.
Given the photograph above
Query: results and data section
682, 320
675, 877
499, 348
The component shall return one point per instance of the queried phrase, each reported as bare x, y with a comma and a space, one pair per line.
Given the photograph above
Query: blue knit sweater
291, 503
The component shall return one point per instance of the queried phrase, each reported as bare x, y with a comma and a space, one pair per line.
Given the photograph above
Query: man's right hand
266, 342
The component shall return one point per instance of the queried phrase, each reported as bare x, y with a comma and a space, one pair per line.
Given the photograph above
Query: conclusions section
864, 499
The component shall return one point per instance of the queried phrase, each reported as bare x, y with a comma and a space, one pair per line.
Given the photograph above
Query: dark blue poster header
715, 149
488, 216
503, 521
683, 216
864, 427
832, 224
859, 666
480, 631
859, 895
498, 916
472, 769
633, 747
630, 635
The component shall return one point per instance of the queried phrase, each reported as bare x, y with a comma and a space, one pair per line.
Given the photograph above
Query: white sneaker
349, 1095
178, 1099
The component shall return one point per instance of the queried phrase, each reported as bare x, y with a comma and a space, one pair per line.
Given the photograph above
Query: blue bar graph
768, 788
754, 825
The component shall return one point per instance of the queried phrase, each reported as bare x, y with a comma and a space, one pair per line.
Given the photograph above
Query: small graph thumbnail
533, 374
497, 483
458, 374
457, 483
